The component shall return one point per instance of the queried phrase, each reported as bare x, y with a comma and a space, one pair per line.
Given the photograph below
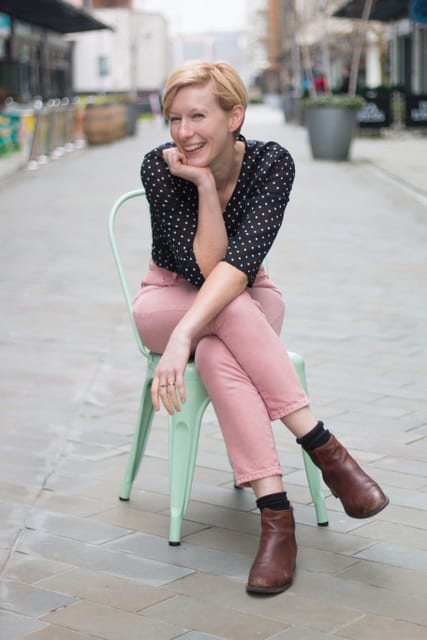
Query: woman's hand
176, 161
168, 382
223, 285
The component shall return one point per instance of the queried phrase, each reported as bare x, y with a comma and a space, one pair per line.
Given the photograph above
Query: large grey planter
330, 131
288, 108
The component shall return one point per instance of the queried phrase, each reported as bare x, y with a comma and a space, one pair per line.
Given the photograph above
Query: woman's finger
165, 392
163, 395
173, 396
155, 393
180, 387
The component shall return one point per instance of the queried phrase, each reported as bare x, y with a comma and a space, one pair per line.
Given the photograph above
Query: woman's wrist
206, 182
182, 333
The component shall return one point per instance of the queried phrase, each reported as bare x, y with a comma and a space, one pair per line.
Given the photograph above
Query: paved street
77, 564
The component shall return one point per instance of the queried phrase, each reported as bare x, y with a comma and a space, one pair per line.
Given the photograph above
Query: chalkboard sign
416, 110
376, 112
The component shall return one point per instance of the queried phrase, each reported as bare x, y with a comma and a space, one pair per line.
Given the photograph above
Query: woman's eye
173, 119
198, 116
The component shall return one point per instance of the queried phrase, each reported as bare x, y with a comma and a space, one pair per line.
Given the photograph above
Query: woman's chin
196, 162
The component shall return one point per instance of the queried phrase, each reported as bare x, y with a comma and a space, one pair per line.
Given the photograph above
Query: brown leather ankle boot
274, 565
360, 495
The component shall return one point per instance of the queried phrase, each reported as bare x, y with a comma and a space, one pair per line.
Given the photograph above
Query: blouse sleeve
173, 209
263, 210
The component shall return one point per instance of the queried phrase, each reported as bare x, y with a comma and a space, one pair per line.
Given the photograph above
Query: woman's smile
193, 148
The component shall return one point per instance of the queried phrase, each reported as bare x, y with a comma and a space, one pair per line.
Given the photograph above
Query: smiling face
200, 128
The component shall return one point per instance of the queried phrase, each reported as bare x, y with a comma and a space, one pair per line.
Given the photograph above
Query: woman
217, 202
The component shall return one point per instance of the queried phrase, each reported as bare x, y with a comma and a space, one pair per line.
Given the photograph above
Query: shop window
103, 66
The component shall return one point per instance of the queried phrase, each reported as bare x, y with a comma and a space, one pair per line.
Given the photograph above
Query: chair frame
184, 427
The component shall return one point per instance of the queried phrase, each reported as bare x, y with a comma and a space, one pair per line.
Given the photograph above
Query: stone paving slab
77, 564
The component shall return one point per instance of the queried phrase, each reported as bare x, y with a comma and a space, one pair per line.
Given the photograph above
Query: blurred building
57, 48
35, 57
405, 32
131, 58
304, 39
231, 46
306, 42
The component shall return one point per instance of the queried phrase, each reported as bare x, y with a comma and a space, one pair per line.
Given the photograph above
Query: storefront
35, 58
406, 33
405, 73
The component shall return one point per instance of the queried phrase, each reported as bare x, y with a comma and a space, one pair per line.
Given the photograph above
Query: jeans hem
289, 408
244, 480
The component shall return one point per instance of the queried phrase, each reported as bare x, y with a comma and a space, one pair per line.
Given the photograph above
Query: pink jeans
240, 358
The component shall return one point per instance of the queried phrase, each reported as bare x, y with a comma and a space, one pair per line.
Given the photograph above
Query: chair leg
313, 478
312, 472
142, 431
184, 431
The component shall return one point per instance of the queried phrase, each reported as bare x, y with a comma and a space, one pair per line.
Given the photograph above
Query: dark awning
383, 10
56, 15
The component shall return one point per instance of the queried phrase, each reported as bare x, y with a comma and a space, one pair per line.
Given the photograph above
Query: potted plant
331, 122
331, 118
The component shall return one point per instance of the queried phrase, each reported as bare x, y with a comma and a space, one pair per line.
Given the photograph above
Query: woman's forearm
210, 241
224, 283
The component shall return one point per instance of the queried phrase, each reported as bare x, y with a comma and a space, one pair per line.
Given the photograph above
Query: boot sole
370, 514
268, 590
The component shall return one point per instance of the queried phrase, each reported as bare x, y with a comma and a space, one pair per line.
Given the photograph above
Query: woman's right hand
167, 387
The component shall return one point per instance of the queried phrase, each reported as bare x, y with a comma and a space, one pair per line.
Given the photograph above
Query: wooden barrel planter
104, 123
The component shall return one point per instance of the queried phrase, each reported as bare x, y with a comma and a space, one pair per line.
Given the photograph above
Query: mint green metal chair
184, 427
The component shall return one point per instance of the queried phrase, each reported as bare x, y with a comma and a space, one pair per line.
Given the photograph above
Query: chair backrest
117, 259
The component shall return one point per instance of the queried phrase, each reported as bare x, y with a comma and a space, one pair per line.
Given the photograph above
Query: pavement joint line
414, 192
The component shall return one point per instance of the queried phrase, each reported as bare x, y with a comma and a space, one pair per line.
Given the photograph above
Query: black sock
314, 438
275, 501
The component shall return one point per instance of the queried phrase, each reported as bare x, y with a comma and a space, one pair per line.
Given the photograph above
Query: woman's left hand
168, 382
175, 159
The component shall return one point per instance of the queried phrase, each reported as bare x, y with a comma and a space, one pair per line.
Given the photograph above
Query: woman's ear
236, 118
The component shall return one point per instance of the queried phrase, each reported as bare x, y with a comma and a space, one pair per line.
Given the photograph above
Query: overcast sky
198, 16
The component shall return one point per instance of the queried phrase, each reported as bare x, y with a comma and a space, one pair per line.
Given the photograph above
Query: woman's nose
185, 130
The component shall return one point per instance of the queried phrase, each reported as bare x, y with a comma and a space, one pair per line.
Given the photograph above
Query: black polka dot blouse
253, 215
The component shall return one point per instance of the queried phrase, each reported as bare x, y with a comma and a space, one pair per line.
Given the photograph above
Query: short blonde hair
226, 82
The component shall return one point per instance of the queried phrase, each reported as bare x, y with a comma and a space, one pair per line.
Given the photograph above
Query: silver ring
163, 385
171, 384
